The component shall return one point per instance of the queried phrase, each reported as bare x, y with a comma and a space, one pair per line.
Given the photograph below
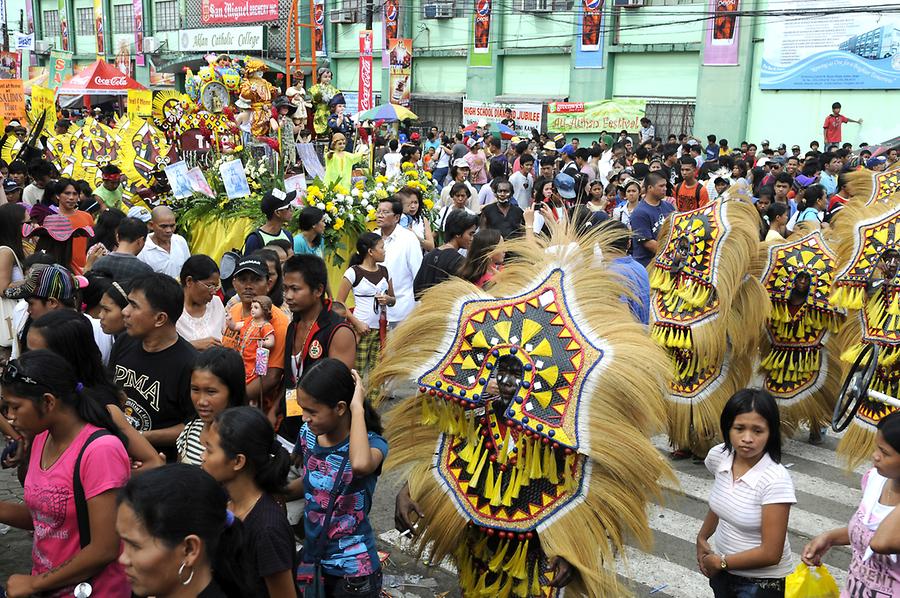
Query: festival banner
158, 79
593, 117
366, 38
60, 68
23, 41
218, 12
319, 28
63, 26
9, 65
137, 8
401, 71
481, 54
12, 100
589, 45
43, 99
390, 23
140, 103
98, 27
839, 44
527, 116
721, 47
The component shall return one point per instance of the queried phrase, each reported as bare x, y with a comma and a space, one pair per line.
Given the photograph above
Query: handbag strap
81, 507
336, 491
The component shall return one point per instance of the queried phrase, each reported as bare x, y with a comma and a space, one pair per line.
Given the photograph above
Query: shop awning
100, 78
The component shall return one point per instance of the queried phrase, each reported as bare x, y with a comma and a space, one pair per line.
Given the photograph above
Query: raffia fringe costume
866, 228
568, 470
706, 312
800, 364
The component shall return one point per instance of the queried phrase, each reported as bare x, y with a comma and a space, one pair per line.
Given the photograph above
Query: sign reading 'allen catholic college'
226, 39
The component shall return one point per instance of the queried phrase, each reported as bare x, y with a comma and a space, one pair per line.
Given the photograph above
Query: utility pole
369, 15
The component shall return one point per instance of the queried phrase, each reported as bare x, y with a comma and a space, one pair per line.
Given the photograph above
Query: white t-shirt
739, 503
522, 185
165, 262
486, 196
365, 286
209, 325
392, 164
32, 195
402, 258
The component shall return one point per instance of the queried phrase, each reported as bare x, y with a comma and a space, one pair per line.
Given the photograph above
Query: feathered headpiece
567, 461
868, 187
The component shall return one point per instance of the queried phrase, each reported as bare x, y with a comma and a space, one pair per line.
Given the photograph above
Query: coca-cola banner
365, 69
238, 11
722, 29
401, 71
319, 30
138, 8
390, 28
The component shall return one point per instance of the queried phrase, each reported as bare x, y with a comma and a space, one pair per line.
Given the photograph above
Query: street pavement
827, 496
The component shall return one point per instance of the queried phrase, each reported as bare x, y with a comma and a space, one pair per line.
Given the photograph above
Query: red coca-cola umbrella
100, 78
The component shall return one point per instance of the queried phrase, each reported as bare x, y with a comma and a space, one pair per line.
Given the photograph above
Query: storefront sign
365, 69
43, 100
589, 44
12, 100
481, 54
140, 103
722, 28
838, 45
527, 116
138, 10
221, 40
593, 117
9, 65
24, 41
238, 11
60, 68
401, 71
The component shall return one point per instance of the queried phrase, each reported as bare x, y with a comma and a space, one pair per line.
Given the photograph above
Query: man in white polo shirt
402, 257
164, 251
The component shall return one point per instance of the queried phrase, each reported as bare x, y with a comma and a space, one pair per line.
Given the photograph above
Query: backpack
678, 188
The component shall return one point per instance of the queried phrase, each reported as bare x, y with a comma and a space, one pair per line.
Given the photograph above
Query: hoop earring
181, 570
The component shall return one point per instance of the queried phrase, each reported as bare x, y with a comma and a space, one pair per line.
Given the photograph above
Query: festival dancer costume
800, 363
706, 312
558, 466
868, 282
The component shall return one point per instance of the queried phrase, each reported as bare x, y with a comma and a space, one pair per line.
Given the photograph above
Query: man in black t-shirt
153, 364
503, 215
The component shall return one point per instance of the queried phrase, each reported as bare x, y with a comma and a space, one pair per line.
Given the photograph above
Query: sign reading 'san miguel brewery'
225, 39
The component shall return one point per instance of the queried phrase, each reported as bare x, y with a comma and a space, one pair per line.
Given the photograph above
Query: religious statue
321, 94
259, 93
339, 162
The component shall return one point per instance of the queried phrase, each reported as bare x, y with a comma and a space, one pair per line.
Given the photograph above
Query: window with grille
123, 17
84, 21
51, 22
167, 15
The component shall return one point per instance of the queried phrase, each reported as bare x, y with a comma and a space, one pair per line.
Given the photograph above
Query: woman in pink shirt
70, 427
477, 162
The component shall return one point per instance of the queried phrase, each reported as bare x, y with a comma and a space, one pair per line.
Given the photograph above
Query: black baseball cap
276, 199
252, 264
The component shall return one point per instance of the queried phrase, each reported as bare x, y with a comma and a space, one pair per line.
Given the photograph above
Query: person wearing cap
12, 191
459, 173
164, 251
109, 193
277, 206
877, 163
477, 162
152, 363
648, 217
567, 162
339, 122
122, 265
250, 280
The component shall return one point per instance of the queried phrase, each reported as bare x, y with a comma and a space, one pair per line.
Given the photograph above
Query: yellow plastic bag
805, 582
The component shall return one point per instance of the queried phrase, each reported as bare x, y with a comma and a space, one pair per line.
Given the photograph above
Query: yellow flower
370, 216
341, 189
381, 193
381, 179
314, 191
329, 207
338, 224
360, 185
412, 174
407, 166
427, 175
428, 204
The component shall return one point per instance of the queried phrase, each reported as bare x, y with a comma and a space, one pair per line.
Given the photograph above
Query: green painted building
651, 49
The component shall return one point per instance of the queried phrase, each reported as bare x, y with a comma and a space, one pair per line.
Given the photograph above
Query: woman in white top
632, 190
874, 530
203, 319
459, 173
460, 194
373, 293
749, 503
392, 159
12, 215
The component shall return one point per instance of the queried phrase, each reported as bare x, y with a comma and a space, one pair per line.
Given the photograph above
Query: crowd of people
162, 412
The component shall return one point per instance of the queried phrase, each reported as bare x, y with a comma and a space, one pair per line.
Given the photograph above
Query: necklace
240, 515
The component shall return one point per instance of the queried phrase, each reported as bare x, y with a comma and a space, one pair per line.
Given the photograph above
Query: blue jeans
439, 176
726, 585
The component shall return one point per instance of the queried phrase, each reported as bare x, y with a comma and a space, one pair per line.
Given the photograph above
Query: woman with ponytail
179, 539
340, 451
373, 293
243, 454
74, 439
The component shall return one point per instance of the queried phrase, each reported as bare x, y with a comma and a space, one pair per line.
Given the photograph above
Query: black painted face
890, 260
509, 377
